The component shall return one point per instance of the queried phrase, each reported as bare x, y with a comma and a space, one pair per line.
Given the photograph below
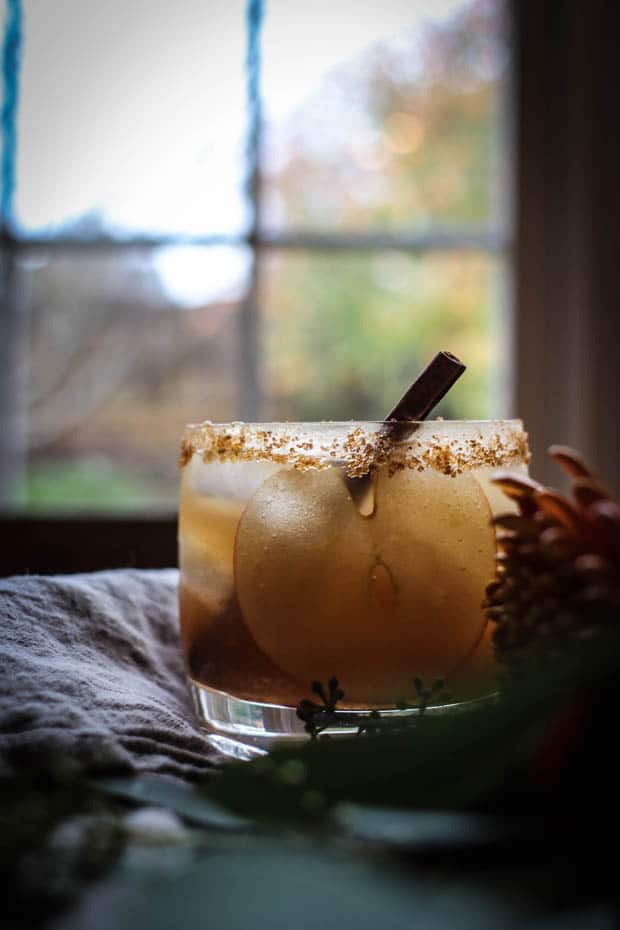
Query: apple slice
325, 591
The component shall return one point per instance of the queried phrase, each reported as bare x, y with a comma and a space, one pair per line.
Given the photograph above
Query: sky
134, 113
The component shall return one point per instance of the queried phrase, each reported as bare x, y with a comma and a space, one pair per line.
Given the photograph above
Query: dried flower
558, 564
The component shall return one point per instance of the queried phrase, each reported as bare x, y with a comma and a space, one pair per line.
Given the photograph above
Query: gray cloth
91, 668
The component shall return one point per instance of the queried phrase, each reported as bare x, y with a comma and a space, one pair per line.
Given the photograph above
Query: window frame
55, 543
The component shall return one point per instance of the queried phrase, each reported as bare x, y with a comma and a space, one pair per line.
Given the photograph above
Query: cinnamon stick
405, 417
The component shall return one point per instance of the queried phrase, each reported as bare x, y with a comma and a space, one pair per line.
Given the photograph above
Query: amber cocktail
284, 581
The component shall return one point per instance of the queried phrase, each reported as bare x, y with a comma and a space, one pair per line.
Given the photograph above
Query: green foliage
347, 331
174, 795
482, 819
280, 884
346, 334
454, 761
86, 485
56, 836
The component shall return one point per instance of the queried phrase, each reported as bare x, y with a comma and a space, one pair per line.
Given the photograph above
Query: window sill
52, 545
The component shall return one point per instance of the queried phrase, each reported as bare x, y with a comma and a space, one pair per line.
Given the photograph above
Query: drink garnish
413, 407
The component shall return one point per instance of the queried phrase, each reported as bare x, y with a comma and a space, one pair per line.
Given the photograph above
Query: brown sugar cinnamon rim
431, 385
440, 445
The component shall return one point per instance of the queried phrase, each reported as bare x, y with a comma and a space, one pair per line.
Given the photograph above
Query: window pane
132, 117
122, 351
383, 114
346, 334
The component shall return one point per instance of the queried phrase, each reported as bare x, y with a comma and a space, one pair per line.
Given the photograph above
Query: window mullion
250, 400
439, 240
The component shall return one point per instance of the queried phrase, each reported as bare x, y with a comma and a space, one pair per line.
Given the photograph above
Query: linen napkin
91, 668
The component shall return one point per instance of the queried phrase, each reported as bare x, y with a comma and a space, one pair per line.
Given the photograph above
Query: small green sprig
317, 717
426, 695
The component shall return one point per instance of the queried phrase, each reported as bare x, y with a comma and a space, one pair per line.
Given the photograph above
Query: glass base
247, 729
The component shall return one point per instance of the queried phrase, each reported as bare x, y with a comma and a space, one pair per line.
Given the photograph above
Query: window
177, 246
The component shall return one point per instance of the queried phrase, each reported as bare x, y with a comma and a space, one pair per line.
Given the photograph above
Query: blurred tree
346, 334
401, 138
114, 371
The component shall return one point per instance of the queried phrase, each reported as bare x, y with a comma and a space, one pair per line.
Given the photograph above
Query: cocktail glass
284, 581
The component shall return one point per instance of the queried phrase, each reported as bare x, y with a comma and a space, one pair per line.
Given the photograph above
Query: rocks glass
285, 582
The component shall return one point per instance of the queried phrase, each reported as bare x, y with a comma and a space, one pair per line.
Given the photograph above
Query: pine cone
558, 564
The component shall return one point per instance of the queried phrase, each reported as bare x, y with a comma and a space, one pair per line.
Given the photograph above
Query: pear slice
374, 600
301, 557
207, 526
435, 533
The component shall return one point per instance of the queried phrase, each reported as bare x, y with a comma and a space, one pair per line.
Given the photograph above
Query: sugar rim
508, 421
358, 445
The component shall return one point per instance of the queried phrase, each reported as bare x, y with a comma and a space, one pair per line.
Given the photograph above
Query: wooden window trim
58, 545
567, 270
